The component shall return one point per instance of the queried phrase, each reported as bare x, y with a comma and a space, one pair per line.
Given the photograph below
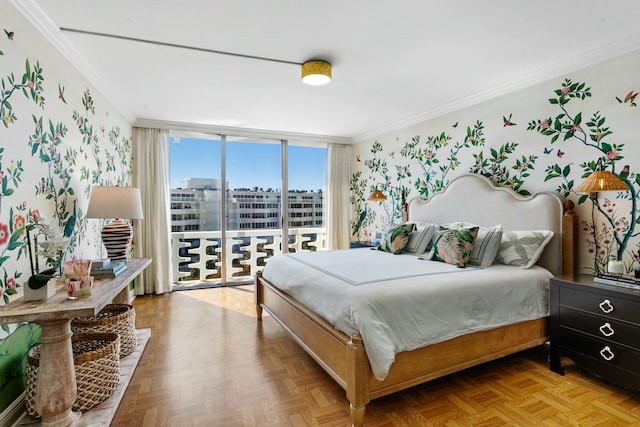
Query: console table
56, 380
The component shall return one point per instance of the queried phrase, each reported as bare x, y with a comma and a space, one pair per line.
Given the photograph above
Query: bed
341, 350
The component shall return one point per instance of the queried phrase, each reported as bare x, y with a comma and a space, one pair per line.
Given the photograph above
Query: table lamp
120, 204
599, 180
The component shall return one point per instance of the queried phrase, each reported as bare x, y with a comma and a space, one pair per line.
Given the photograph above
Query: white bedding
402, 302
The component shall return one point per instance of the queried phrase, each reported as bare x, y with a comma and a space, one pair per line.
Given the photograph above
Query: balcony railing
197, 255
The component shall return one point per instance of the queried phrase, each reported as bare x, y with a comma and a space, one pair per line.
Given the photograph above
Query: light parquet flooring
210, 363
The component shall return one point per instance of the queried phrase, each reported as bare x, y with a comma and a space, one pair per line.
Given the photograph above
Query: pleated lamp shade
600, 181
377, 196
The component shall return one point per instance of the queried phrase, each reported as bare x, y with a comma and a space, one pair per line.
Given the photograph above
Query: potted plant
48, 243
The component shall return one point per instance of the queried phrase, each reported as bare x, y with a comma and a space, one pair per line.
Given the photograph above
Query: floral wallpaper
58, 138
549, 137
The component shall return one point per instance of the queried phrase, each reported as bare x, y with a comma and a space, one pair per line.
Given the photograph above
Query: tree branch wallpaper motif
533, 160
618, 228
51, 154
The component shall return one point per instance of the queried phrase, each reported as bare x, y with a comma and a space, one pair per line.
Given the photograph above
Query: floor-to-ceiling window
229, 196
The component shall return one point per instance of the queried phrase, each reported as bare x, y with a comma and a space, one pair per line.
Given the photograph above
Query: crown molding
32, 12
588, 58
241, 132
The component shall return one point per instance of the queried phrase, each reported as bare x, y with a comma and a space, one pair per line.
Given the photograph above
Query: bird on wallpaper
560, 153
9, 34
363, 215
358, 157
630, 99
71, 222
507, 122
455, 125
547, 150
61, 93
624, 173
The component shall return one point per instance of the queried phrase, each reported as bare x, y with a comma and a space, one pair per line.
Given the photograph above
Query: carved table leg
57, 389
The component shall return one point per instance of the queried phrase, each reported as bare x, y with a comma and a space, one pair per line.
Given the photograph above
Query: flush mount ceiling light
316, 73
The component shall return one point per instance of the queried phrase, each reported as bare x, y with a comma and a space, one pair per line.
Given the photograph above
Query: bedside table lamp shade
602, 180
121, 204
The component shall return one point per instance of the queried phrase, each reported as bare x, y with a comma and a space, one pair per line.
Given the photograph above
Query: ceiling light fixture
316, 73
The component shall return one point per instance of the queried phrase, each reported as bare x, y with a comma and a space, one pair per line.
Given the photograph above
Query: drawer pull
606, 353
606, 306
606, 330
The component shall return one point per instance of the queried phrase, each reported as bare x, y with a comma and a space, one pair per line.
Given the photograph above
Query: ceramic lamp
121, 204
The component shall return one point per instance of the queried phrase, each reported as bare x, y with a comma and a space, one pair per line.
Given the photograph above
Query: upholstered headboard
475, 199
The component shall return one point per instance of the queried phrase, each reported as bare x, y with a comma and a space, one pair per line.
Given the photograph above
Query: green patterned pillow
486, 245
454, 246
522, 248
396, 238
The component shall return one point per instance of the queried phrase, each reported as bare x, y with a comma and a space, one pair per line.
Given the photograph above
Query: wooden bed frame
345, 358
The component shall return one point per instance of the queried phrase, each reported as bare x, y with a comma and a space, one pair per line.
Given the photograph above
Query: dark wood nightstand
362, 244
598, 327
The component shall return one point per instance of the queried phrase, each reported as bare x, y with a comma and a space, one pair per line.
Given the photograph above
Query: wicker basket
97, 369
117, 318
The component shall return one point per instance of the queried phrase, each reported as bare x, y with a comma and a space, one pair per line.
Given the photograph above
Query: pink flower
565, 90
11, 283
612, 155
18, 222
36, 215
544, 124
4, 233
575, 128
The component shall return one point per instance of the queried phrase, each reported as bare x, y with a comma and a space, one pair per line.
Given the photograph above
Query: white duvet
403, 302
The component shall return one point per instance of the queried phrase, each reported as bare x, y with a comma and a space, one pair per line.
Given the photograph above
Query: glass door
196, 209
253, 205
229, 196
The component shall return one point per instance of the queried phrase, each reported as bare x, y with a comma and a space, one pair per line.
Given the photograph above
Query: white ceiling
395, 62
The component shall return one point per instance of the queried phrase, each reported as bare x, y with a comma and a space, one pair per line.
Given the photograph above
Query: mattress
403, 302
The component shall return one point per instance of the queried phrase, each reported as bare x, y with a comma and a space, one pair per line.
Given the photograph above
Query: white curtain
338, 213
152, 235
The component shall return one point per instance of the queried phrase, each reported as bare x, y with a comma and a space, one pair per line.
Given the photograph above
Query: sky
248, 164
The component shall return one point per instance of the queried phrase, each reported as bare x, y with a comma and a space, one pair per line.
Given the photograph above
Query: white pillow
486, 245
522, 248
420, 238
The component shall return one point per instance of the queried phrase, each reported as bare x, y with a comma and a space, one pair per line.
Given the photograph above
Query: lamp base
116, 237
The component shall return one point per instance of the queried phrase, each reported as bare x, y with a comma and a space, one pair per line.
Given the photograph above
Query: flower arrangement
52, 246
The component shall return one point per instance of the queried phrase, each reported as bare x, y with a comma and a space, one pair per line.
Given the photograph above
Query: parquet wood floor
210, 363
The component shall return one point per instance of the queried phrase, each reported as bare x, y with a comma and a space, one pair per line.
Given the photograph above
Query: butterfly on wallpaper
547, 150
630, 99
560, 153
455, 125
9, 34
61, 93
507, 122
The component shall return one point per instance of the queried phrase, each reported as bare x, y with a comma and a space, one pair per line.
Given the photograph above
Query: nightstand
597, 326
362, 244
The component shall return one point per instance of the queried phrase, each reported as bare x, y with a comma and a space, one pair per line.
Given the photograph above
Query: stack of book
108, 270
625, 280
